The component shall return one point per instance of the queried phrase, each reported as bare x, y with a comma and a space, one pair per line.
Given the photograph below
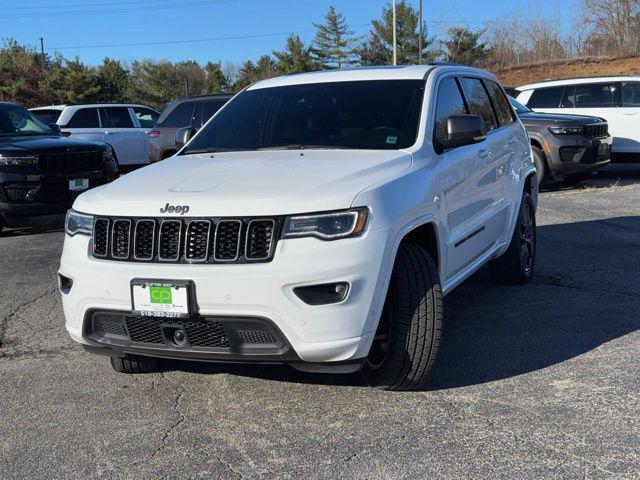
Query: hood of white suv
253, 183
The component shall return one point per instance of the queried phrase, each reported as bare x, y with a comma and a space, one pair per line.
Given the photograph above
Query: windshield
379, 115
520, 108
15, 120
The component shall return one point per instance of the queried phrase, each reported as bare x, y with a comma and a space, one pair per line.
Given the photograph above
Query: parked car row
614, 99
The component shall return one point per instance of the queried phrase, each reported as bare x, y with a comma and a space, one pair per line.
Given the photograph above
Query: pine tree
215, 81
295, 58
464, 46
79, 83
266, 67
378, 48
113, 79
333, 43
246, 75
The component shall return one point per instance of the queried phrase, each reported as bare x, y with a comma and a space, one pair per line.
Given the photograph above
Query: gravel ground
540, 381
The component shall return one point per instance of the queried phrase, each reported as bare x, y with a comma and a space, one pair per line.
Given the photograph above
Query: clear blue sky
94, 29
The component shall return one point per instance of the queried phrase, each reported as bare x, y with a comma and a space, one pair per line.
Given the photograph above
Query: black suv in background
565, 147
184, 112
42, 171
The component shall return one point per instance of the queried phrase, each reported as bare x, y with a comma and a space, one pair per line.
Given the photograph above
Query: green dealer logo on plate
160, 295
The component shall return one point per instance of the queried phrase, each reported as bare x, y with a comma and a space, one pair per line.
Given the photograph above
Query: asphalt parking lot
541, 381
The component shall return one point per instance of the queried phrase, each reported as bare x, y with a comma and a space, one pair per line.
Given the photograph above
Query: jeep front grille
191, 240
597, 130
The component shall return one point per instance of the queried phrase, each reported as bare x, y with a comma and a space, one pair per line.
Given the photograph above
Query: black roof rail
595, 77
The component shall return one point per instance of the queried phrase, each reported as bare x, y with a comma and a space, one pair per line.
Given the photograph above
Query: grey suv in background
565, 146
184, 112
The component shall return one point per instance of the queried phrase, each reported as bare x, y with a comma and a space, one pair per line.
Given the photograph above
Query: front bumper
575, 154
230, 293
30, 193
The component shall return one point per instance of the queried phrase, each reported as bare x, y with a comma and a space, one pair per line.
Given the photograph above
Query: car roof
576, 81
91, 105
9, 104
405, 72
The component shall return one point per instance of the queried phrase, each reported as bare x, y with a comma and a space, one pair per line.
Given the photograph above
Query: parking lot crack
4, 321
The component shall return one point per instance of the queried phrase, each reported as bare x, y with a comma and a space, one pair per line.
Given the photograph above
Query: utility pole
395, 46
42, 50
421, 30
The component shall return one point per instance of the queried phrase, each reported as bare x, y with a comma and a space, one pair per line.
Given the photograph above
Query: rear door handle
483, 153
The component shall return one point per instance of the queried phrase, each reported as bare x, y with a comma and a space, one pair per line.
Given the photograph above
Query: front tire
515, 266
131, 364
541, 165
408, 335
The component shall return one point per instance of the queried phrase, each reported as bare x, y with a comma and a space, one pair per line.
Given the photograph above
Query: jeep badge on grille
181, 209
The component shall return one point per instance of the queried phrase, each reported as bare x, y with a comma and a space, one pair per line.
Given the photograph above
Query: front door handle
483, 153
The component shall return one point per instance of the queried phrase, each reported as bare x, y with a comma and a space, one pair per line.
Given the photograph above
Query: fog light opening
324, 294
65, 284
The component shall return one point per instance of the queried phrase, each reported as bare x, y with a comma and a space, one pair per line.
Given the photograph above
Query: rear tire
515, 266
134, 364
408, 335
541, 165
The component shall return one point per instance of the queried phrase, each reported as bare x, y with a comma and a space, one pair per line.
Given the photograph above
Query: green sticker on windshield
391, 140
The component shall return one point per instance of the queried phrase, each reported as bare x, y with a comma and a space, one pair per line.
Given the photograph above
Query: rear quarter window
180, 116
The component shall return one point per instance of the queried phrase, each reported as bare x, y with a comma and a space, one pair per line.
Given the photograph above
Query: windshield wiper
208, 150
304, 146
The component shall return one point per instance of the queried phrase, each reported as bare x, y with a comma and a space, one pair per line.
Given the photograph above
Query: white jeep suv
316, 220
123, 127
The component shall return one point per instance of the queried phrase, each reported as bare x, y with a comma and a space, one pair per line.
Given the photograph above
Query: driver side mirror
183, 135
55, 127
464, 130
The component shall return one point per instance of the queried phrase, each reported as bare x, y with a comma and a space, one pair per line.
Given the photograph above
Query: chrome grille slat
121, 238
186, 240
144, 235
101, 237
227, 240
259, 240
169, 239
196, 245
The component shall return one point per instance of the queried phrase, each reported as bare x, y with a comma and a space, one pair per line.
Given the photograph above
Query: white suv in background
615, 99
122, 126
316, 220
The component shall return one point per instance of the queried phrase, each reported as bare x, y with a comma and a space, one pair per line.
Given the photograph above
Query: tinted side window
449, 102
594, 95
479, 102
84, 118
631, 94
145, 116
116, 117
546, 97
210, 108
181, 116
500, 102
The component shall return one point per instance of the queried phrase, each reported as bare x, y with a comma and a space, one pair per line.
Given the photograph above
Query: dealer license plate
78, 184
160, 298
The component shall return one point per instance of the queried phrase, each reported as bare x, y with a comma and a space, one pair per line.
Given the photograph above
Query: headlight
327, 226
566, 130
18, 160
107, 155
78, 223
